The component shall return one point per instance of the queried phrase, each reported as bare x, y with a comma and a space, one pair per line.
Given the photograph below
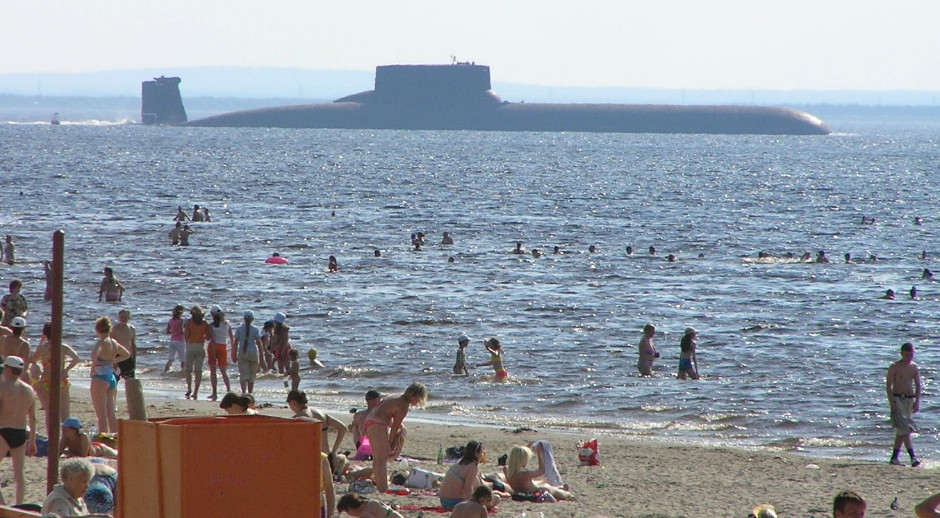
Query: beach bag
544, 497
588, 453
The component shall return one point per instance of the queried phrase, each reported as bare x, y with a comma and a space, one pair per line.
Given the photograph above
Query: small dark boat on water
55, 119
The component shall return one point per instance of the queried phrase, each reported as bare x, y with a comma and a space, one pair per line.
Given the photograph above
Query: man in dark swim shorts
17, 420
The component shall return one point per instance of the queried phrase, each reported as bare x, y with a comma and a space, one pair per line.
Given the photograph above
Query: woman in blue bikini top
104, 355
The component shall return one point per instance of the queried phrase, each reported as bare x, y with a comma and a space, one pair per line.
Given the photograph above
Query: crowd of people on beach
378, 432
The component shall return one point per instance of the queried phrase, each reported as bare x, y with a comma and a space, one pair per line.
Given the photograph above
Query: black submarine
459, 96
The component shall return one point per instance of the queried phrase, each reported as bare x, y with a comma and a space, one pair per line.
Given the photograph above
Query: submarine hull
613, 118
459, 97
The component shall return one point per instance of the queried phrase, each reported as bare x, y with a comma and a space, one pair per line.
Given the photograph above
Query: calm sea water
794, 355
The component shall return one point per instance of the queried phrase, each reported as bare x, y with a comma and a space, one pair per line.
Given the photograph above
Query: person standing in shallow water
688, 363
647, 351
903, 388
111, 288
8, 253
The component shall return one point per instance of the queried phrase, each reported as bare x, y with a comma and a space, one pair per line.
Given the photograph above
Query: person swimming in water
519, 249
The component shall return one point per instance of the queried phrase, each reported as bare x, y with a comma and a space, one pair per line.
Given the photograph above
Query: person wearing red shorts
221, 337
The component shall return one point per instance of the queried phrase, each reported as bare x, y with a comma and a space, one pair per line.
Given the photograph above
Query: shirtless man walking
17, 421
903, 389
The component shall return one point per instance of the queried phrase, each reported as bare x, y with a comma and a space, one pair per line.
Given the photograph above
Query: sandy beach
636, 478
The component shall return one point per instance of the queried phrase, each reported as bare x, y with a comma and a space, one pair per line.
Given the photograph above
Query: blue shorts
450, 503
685, 364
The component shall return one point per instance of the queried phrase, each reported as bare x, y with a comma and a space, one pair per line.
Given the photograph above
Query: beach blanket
548, 461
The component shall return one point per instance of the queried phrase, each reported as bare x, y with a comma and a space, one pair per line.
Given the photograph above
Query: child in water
496, 358
293, 369
460, 366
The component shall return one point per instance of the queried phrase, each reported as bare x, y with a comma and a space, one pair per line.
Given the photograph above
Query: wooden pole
55, 346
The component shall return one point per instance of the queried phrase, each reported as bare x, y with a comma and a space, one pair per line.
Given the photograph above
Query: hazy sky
724, 44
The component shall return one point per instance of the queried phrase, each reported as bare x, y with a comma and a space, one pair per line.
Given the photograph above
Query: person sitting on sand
463, 477
848, 504
66, 499
478, 505
524, 480
76, 443
383, 428
355, 505
928, 507
235, 404
496, 358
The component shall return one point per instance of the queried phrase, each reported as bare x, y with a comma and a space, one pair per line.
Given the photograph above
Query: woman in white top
218, 358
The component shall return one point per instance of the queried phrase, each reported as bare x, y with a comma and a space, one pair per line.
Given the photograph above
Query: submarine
459, 96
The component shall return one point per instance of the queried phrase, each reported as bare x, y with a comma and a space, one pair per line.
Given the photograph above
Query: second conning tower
456, 85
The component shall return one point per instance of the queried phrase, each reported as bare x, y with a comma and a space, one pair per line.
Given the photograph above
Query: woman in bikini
383, 427
463, 477
104, 355
43, 357
111, 287
496, 358
524, 480
297, 402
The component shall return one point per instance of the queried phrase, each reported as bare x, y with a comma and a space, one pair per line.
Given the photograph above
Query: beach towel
548, 461
901, 418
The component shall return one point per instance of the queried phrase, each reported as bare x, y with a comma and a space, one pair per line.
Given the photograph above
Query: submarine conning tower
160, 101
429, 86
